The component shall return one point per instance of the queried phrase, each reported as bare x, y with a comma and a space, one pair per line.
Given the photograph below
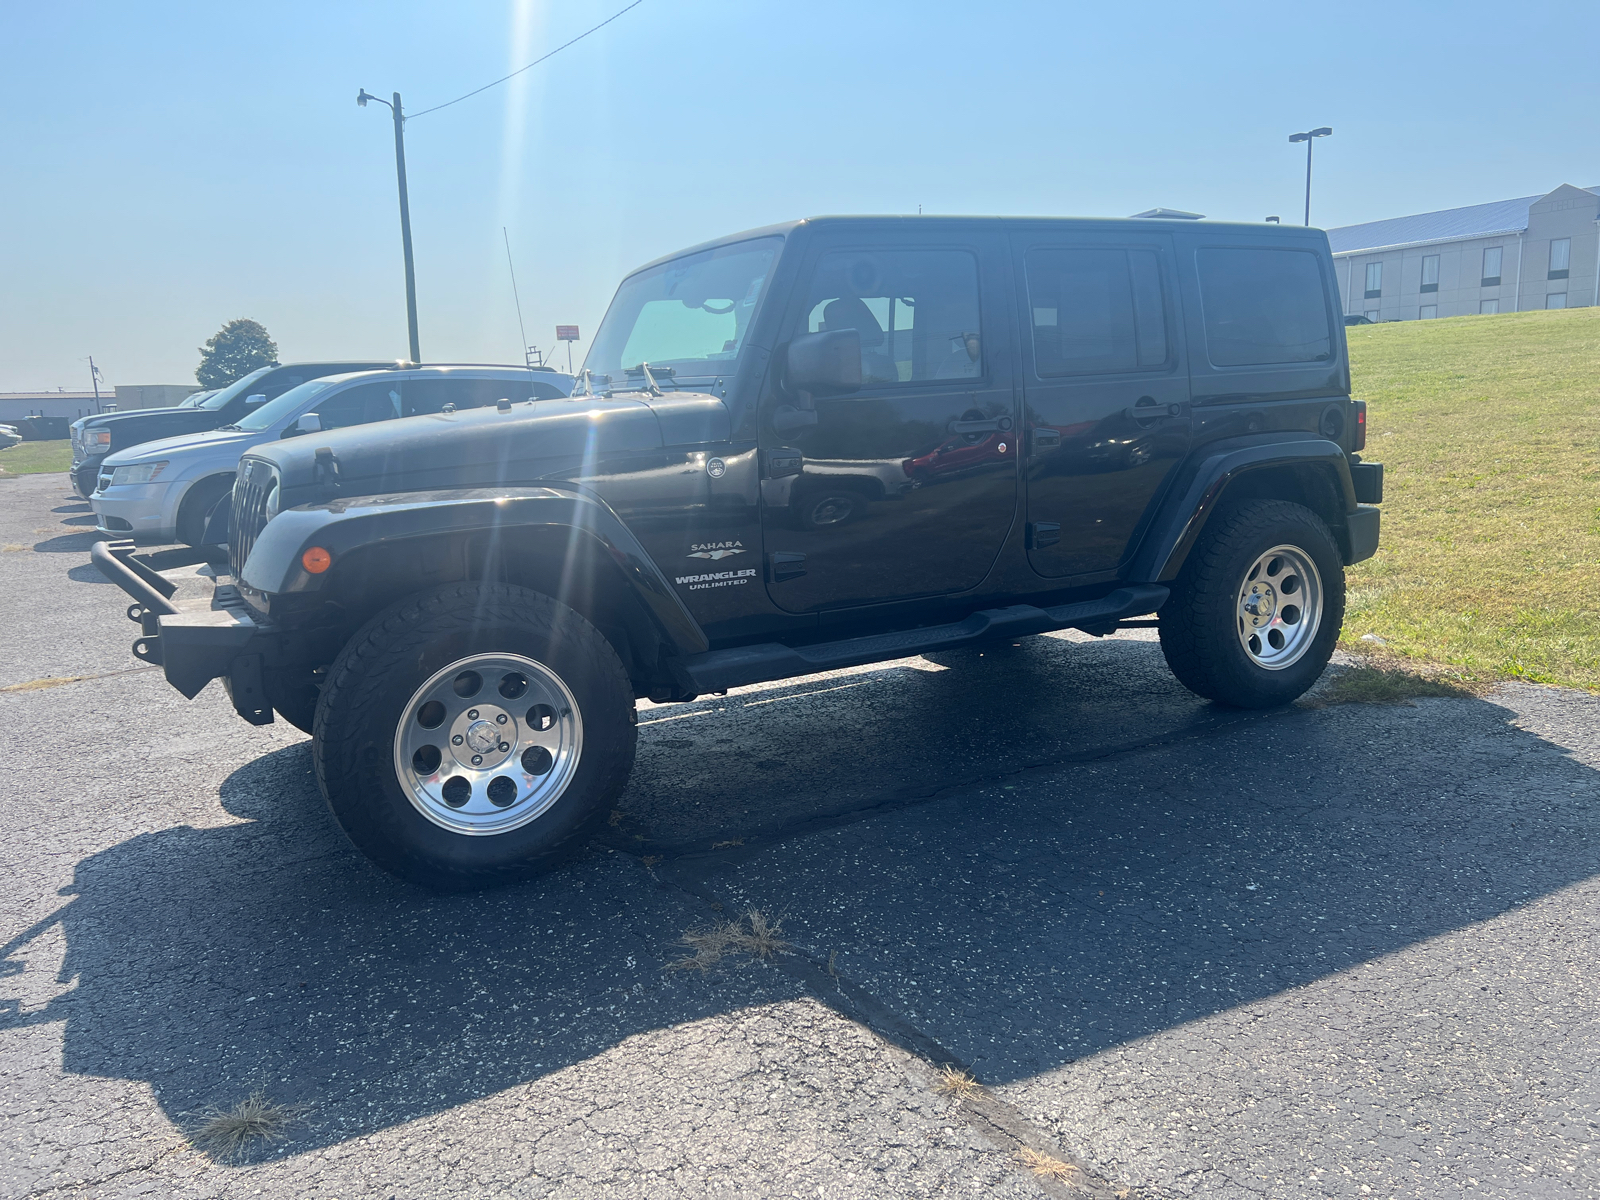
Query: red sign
566, 333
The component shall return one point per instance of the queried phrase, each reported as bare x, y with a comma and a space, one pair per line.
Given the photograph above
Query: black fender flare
341, 527
1201, 482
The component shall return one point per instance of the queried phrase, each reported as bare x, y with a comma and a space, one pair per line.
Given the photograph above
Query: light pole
1307, 137
405, 211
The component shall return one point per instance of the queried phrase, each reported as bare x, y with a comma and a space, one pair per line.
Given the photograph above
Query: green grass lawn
1489, 432
32, 458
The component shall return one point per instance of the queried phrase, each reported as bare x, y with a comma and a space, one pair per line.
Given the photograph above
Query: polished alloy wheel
1280, 607
488, 744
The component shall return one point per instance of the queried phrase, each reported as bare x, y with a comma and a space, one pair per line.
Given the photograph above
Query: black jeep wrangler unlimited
821, 444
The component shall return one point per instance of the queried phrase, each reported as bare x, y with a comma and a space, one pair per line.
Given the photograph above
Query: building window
1430, 272
1427, 312
1374, 280
1491, 267
1560, 257
1556, 300
1372, 315
1488, 306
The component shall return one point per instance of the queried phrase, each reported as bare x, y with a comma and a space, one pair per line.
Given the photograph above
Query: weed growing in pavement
953, 1081
1380, 685
226, 1134
1046, 1166
754, 934
1384, 677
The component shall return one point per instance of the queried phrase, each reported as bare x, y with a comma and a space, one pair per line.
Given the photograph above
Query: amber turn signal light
316, 560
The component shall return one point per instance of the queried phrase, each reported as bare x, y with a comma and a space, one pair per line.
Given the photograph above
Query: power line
530, 66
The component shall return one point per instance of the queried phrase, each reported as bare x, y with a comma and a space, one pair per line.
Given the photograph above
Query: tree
235, 350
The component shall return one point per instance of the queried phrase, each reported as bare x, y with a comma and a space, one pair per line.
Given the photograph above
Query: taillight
1361, 425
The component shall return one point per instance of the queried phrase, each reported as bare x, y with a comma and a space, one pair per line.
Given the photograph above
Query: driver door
907, 487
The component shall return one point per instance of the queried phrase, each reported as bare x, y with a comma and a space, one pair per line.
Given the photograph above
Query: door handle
980, 426
1148, 410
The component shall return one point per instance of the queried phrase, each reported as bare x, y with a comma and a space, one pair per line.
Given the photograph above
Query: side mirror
252, 401
824, 363
308, 423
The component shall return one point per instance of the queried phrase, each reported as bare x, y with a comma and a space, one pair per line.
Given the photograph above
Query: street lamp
405, 211
1307, 138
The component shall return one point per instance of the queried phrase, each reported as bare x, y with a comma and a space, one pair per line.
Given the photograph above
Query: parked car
164, 491
465, 607
1357, 319
97, 436
9, 436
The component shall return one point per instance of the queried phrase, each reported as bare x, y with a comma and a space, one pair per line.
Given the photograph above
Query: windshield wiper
230, 428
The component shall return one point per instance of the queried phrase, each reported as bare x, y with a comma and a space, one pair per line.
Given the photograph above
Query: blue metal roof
1475, 220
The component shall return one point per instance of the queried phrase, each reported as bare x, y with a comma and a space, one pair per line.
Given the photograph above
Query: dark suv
1138, 417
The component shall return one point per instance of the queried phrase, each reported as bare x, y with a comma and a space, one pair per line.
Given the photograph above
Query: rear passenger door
1106, 392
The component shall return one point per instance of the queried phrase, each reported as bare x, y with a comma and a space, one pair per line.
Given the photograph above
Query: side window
1263, 307
1095, 311
545, 391
360, 405
916, 311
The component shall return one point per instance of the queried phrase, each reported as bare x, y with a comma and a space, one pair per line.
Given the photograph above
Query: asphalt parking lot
1321, 952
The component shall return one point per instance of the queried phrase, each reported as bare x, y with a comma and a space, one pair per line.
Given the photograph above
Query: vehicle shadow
1021, 928
86, 573
69, 543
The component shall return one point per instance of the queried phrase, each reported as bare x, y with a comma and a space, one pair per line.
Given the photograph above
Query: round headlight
271, 508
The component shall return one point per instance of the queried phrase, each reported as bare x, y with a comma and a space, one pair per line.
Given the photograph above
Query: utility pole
94, 381
405, 212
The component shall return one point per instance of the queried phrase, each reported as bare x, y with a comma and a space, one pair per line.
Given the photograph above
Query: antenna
522, 329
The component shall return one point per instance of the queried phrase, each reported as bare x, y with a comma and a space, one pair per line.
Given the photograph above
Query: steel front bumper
192, 640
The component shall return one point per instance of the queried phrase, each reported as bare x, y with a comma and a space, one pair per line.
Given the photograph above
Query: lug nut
504, 746
472, 714
456, 741
477, 760
500, 720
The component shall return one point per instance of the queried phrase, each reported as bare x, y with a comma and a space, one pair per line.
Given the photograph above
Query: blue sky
167, 167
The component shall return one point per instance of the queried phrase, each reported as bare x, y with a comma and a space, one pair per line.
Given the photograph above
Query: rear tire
388, 778
1254, 614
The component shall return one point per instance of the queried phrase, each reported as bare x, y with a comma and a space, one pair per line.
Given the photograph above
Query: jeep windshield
687, 318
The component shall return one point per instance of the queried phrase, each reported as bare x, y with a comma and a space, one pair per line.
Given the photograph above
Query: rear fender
487, 530
1309, 469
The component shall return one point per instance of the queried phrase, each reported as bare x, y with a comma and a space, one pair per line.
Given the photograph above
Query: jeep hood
485, 447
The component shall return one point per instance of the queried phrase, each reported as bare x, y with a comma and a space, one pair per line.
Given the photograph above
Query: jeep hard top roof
901, 223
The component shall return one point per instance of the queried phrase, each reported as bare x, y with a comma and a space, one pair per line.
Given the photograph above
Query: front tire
471, 734
1254, 614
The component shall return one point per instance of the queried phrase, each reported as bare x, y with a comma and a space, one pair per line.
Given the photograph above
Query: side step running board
718, 670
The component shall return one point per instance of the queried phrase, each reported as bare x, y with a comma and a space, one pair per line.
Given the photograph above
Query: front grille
104, 481
251, 488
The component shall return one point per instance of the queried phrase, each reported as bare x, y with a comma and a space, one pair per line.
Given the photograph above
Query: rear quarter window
1263, 306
